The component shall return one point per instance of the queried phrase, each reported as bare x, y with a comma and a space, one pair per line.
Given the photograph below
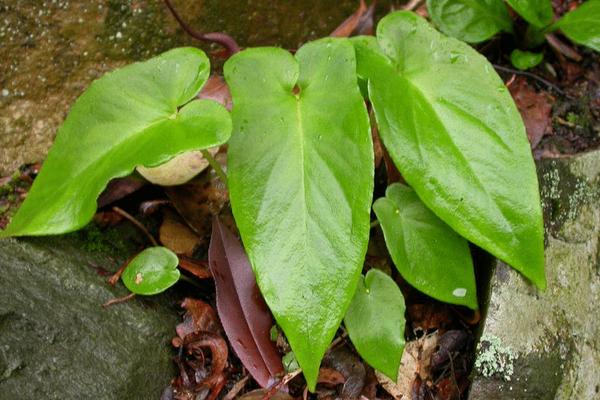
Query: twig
117, 275
412, 4
118, 300
215, 165
137, 223
239, 385
562, 48
213, 37
530, 75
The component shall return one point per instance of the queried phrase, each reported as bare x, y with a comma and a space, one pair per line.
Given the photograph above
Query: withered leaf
535, 108
241, 308
216, 89
176, 235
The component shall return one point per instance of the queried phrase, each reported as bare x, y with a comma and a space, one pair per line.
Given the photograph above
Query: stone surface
546, 345
51, 50
57, 342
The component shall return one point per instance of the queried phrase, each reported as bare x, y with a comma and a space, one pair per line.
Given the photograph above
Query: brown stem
118, 300
212, 37
532, 76
137, 223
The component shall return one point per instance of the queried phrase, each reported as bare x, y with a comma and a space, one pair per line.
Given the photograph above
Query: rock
53, 50
57, 342
546, 345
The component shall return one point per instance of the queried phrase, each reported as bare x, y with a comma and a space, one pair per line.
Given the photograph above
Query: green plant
300, 172
475, 21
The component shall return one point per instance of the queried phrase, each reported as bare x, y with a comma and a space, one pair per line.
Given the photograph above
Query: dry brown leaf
535, 108
415, 362
175, 235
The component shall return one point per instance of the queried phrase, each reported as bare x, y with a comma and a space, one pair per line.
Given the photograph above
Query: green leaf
152, 271
456, 136
524, 59
470, 20
538, 13
300, 166
127, 118
428, 253
375, 322
582, 25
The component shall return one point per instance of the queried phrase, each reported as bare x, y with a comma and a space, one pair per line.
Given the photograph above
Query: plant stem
215, 165
215, 37
530, 75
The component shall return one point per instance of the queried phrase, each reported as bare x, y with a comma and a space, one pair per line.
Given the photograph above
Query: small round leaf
152, 271
525, 59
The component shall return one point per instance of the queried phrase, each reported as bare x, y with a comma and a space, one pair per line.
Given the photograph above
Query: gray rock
546, 345
57, 342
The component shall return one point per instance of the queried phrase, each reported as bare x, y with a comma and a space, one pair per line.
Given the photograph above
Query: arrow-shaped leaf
375, 322
301, 180
456, 136
129, 117
427, 252
582, 25
242, 310
538, 13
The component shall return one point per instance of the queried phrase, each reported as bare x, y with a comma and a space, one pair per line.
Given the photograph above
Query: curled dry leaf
359, 23
199, 316
415, 363
535, 108
352, 369
243, 312
198, 268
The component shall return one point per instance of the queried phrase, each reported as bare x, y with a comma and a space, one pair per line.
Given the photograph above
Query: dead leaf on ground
199, 201
243, 312
415, 362
176, 235
350, 366
216, 89
261, 393
119, 188
429, 316
198, 268
535, 108
359, 23
200, 340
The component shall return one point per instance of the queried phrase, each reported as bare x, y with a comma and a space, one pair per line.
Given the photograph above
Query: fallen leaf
330, 376
119, 188
448, 344
216, 89
535, 108
347, 363
415, 363
198, 268
359, 23
199, 201
242, 310
176, 235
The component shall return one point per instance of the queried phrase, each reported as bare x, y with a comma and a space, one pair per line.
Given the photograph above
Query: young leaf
538, 13
242, 310
127, 118
301, 181
426, 251
582, 25
375, 322
525, 59
470, 20
152, 271
456, 136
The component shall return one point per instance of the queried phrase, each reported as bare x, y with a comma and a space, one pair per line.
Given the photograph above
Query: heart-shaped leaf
242, 310
428, 253
582, 25
152, 271
470, 20
300, 168
538, 13
127, 118
375, 322
456, 136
